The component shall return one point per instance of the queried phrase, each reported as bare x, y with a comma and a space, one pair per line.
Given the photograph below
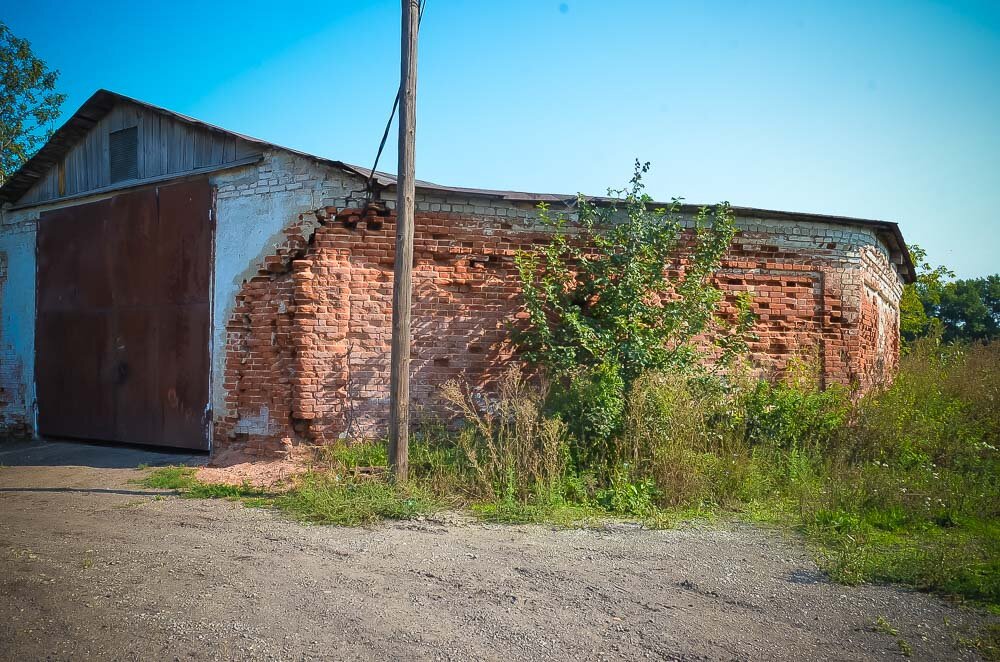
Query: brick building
168, 282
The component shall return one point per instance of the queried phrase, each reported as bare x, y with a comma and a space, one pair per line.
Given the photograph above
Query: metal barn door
122, 334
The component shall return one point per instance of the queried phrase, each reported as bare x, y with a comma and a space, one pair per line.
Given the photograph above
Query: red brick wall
308, 342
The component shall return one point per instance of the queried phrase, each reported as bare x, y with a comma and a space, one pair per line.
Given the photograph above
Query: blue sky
886, 110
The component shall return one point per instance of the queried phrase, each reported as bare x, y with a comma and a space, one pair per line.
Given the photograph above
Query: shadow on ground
58, 453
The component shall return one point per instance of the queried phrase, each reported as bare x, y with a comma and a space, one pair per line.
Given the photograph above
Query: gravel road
94, 567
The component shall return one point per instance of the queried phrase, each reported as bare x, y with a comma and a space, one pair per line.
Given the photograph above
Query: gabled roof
102, 101
86, 117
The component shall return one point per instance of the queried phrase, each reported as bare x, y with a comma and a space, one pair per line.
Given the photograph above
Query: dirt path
132, 575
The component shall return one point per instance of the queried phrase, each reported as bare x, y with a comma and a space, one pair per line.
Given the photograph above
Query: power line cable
392, 115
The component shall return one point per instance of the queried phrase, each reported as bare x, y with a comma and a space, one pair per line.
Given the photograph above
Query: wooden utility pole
402, 284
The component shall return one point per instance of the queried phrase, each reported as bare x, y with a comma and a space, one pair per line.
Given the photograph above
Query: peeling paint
17, 324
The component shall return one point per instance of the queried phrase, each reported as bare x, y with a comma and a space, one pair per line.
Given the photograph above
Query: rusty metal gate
122, 332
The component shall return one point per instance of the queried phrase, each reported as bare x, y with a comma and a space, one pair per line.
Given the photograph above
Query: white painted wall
17, 317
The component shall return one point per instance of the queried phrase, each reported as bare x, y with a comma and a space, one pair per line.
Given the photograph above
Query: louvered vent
124, 151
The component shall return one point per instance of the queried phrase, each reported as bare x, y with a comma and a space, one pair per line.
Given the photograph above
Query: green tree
970, 309
918, 307
627, 288
29, 103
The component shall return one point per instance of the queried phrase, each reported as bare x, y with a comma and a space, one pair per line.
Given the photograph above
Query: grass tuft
170, 478
325, 499
183, 479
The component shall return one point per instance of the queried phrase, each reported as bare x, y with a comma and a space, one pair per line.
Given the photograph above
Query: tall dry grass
514, 451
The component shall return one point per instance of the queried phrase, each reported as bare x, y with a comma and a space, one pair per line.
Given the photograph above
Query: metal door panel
132, 244
75, 391
185, 242
123, 326
130, 238
135, 365
183, 387
72, 263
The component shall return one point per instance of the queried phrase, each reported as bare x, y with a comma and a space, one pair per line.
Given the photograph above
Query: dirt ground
94, 567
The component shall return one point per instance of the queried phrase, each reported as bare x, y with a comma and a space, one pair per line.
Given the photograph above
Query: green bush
600, 290
679, 436
793, 418
627, 495
591, 403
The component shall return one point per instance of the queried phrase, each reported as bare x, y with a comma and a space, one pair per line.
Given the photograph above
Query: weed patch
324, 499
169, 478
183, 479
885, 490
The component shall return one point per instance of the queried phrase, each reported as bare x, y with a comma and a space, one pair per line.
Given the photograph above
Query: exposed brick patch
261, 352
308, 341
878, 331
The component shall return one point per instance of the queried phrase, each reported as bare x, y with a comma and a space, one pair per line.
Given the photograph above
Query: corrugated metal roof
103, 101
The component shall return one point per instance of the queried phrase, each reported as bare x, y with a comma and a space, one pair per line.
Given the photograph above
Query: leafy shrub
626, 495
628, 285
794, 418
591, 403
676, 435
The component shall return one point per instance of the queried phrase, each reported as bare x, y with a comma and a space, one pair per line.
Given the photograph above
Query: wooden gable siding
166, 146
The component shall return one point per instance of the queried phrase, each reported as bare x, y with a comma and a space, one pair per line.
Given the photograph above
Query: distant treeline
958, 310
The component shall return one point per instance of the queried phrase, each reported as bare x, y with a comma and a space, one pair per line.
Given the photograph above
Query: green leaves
629, 284
29, 103
970, 309
960, 310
